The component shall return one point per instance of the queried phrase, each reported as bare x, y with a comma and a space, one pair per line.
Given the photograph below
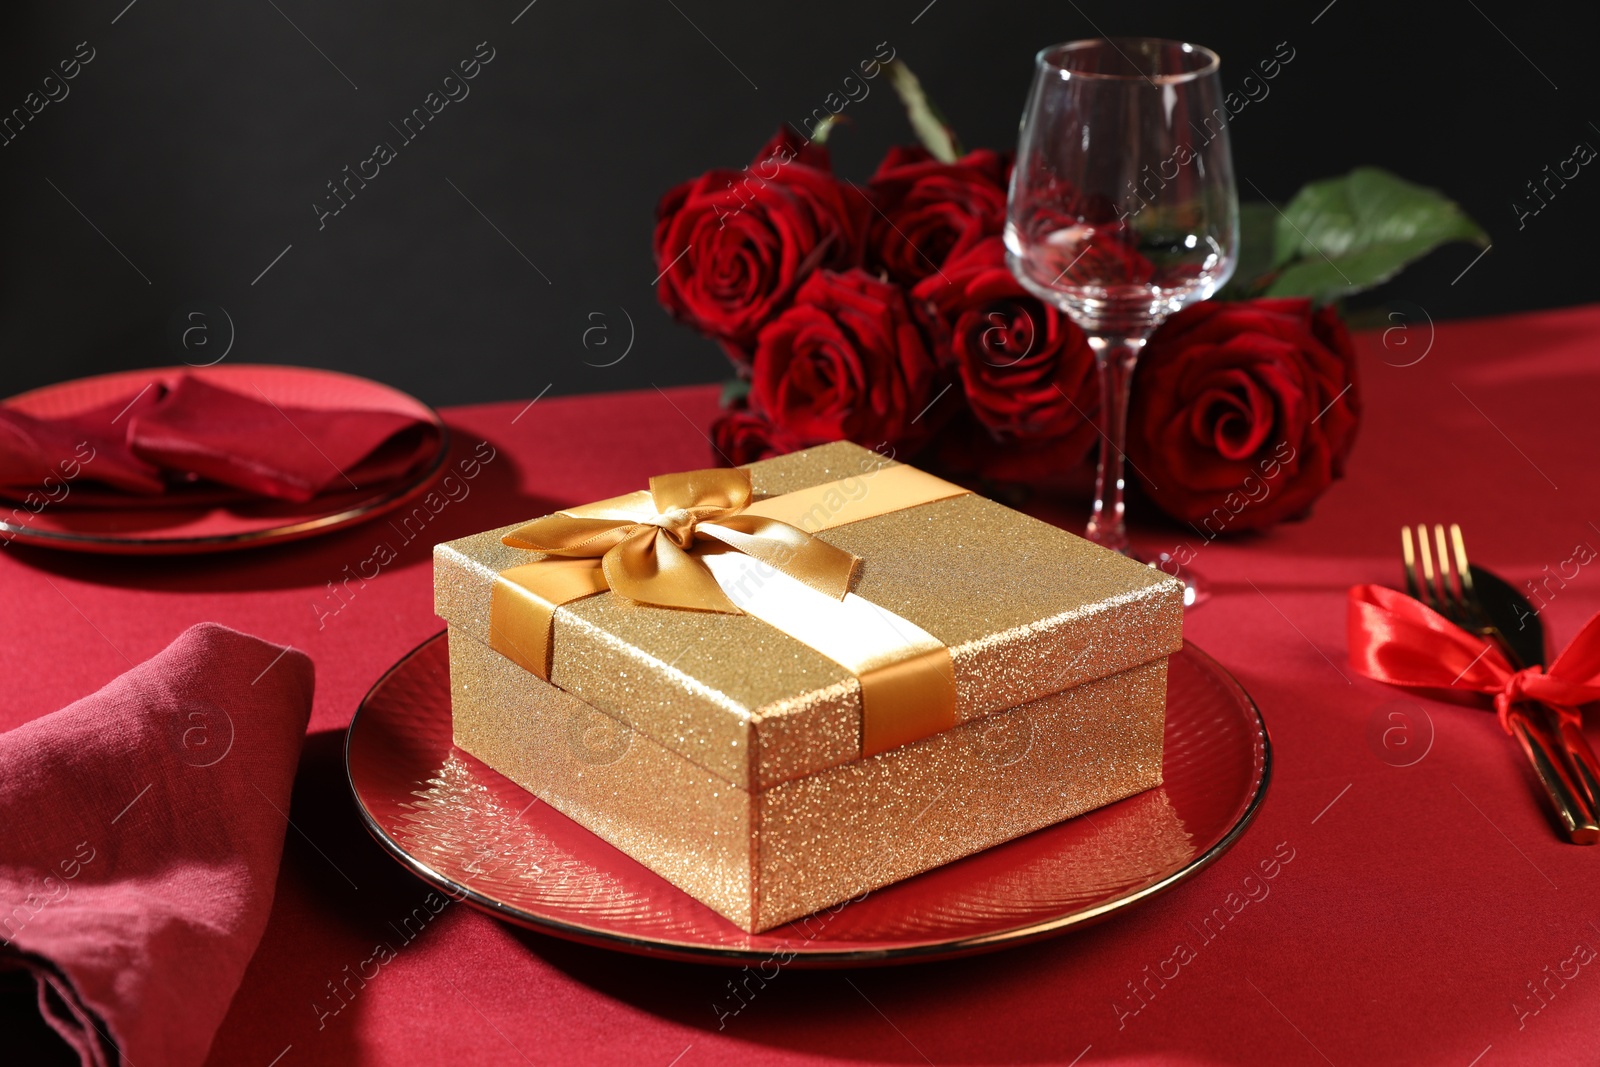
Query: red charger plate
452, 821
181, 530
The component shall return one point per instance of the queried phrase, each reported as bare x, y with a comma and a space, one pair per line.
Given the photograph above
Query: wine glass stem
1116, 356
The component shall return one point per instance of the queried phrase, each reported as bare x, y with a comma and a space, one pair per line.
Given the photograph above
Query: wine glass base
1196, 590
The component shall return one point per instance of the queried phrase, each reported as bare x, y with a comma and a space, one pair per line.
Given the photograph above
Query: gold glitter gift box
726, 754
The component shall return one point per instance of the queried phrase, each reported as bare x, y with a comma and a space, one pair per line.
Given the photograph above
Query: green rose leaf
1256, 236
734, 391
930, 126
1343, 235
824, 129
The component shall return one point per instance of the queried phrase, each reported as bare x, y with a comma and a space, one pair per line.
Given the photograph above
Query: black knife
1512, 615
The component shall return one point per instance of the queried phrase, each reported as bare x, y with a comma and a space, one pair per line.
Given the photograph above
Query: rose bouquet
885, 314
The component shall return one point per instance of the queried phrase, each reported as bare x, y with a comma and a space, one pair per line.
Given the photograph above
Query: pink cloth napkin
140, 833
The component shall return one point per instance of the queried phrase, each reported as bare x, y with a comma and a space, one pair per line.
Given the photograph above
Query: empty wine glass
1122, 210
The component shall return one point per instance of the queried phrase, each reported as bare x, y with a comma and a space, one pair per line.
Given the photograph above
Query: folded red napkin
140, 832
36, 455
185, 441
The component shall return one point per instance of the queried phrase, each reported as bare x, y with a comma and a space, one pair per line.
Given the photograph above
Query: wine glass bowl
1112, 281
1122, 209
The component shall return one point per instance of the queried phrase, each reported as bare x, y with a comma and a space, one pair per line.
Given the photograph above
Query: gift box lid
1025, 609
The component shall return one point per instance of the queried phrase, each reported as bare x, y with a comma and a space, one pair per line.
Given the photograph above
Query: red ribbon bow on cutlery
1401, 641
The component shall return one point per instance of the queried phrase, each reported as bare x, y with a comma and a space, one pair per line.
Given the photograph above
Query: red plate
454, 822
177, 530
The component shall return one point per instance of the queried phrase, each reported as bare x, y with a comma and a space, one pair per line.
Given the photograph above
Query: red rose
846, 362
1243, 412
1077, 253
1068, 237
743, 436
967, 451
928, 211
1101, 254
732, 246
1028, 371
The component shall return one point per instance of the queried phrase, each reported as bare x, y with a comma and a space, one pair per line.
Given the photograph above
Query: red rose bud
846, 362
741, 436
786, 146
1243, 412
969, 452
1027, 369
931, 210
733, 246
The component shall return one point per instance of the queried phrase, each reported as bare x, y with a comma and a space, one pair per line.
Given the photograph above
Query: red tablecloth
1420, 902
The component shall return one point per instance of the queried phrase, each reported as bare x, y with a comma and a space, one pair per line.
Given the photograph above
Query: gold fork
1453, 596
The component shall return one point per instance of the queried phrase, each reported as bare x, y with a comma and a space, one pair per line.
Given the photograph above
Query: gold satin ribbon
758, 558
644, 544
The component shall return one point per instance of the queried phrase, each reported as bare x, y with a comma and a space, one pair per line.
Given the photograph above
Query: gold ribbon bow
661, 547
644, 541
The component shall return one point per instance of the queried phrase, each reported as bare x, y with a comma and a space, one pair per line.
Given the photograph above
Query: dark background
199, 137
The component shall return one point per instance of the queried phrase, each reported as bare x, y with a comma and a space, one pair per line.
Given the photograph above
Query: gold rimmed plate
459, 825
